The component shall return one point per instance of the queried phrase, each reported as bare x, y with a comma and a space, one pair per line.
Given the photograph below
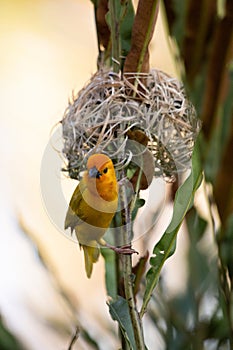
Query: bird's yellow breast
96, 215
94, 201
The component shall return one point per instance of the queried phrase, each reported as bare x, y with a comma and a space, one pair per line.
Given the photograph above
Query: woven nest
99, 118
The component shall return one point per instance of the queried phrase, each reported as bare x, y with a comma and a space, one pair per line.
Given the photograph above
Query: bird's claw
125, 250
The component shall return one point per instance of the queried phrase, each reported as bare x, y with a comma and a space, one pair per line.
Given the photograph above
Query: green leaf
226, 244
196, 225
119, 311
166, 245
220, 135
138, 204
110, 272
180, 8
131, 170
110, 258
126, 24
120, 23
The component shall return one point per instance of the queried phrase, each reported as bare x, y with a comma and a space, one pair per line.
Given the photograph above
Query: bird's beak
94, 172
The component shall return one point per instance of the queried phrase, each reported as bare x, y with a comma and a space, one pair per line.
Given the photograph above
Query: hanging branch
138, 58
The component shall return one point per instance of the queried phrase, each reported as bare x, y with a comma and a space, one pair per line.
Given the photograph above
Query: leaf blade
166, 245
119, 311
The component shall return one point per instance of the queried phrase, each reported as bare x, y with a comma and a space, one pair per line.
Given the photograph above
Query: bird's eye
105, 170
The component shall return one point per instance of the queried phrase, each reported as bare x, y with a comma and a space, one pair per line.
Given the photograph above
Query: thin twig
74, 338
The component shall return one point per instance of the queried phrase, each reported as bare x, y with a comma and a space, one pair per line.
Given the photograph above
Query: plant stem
137, 60
74, 338
128, 278
148, 36
114, 23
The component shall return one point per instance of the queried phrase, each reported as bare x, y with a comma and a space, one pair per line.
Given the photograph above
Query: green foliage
7, 340
194, 319
200, 317
110, 272
166, 245
221, 131
180, 8
226, 247
205, 51
119, 311
196, 224
120, 21
138, 204
126, 23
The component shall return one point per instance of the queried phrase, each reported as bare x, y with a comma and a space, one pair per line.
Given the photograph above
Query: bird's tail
91, 255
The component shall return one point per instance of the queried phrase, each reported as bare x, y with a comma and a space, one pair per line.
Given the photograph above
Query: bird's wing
74, 216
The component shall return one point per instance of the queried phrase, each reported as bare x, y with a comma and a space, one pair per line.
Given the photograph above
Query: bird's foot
125, 249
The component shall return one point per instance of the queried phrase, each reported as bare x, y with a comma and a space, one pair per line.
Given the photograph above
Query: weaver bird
92, 207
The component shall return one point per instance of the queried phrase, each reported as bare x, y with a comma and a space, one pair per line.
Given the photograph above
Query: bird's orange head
97, 160
100, 177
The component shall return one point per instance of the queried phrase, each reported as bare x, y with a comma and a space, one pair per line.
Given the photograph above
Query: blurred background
48, 49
